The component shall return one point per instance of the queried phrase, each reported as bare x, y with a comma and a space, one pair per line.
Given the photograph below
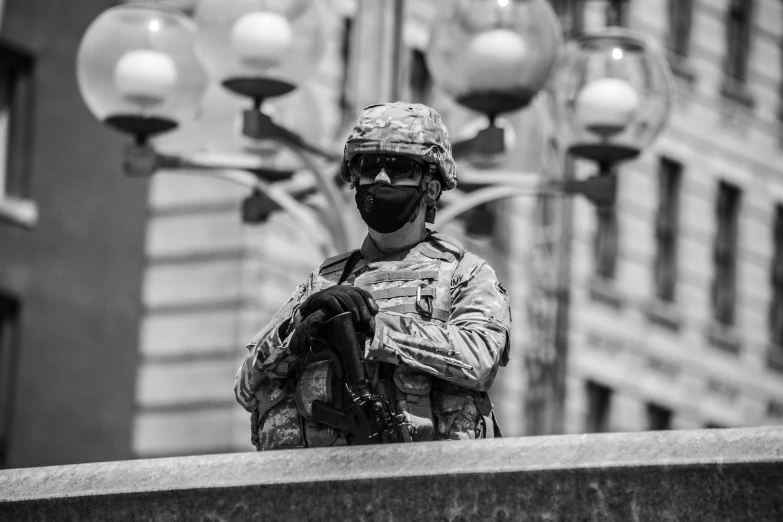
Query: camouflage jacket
443, 323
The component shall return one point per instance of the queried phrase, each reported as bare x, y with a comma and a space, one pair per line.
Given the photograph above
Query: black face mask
386, 208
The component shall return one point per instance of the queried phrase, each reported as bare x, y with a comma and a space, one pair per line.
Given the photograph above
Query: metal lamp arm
143, 160
258, 125
338, 222
599, 189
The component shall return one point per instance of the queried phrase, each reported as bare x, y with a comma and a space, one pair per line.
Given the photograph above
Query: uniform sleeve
268, 357
467, 350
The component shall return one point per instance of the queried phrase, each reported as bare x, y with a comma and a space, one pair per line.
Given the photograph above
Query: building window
599, 399
9, 343
666, 226
658, 417
776, 280
346, 101
617, 12
15, 118
739, 25
680, 20
599, 14
419, 79
725, 254
571, 15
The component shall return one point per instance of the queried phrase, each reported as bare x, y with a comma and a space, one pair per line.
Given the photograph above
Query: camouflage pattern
413, 400
281, 428
410, 129
460, 345
315, 383
456, 416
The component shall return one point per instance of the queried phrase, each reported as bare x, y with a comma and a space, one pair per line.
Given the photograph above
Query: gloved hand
342, 298
302, 338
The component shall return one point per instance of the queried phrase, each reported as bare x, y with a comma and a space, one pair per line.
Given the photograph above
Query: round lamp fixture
493, 56
613, 95
260, 48
137, 70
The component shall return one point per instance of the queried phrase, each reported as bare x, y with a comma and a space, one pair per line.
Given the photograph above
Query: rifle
366, 418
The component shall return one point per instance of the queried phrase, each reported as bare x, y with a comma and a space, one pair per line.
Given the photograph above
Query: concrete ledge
734, 474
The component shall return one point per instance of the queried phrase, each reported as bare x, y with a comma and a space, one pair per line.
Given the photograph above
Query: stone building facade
677, 322
70, 281
676, 296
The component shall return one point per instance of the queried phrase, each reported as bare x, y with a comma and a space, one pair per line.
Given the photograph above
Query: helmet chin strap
425, 201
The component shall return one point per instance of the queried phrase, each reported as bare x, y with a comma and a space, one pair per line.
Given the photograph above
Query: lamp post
143, 68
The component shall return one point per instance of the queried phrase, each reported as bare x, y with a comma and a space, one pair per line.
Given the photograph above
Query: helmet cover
410, 129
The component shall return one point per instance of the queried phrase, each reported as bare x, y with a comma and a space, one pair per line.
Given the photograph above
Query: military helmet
410, 129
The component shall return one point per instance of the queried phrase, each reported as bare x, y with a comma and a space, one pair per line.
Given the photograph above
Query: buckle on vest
426, 307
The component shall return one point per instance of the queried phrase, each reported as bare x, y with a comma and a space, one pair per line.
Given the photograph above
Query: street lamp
613, 95
493, 57
143, 69
137, 69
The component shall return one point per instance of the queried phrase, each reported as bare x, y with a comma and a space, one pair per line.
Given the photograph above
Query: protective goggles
396, 167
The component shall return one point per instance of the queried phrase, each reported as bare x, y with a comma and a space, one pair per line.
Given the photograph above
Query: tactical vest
419, 286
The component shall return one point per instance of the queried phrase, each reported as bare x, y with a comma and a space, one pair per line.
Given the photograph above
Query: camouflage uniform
440, 334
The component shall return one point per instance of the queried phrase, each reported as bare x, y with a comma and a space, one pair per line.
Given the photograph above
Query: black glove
342, 298
302, 338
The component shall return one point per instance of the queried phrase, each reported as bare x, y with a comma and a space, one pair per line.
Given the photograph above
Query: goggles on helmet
398, 168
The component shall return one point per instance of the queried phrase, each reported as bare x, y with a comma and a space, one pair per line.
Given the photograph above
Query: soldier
437, 317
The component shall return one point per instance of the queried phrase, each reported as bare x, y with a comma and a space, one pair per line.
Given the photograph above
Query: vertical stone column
377, 49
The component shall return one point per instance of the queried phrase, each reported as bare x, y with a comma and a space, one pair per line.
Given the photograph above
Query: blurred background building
125, 308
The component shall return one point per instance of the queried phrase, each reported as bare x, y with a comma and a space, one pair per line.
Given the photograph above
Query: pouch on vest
280, 427
413, 399
456, 416
316, 382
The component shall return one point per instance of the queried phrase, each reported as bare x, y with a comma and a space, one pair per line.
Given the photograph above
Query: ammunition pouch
413, 400
317, 382
276, 423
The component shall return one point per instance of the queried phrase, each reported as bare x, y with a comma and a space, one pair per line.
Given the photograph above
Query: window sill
19, 211
775, 358
723, 337
737, 93
665, 314
604, 291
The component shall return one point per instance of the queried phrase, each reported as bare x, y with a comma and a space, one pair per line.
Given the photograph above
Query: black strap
334, 263
430, 252
495, 425
350, 264
443, 238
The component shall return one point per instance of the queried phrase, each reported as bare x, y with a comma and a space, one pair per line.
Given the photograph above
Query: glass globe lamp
260, 48
613, 95
137, 70
493, 56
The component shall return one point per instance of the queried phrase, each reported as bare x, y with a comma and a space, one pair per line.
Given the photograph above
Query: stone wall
717, 475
